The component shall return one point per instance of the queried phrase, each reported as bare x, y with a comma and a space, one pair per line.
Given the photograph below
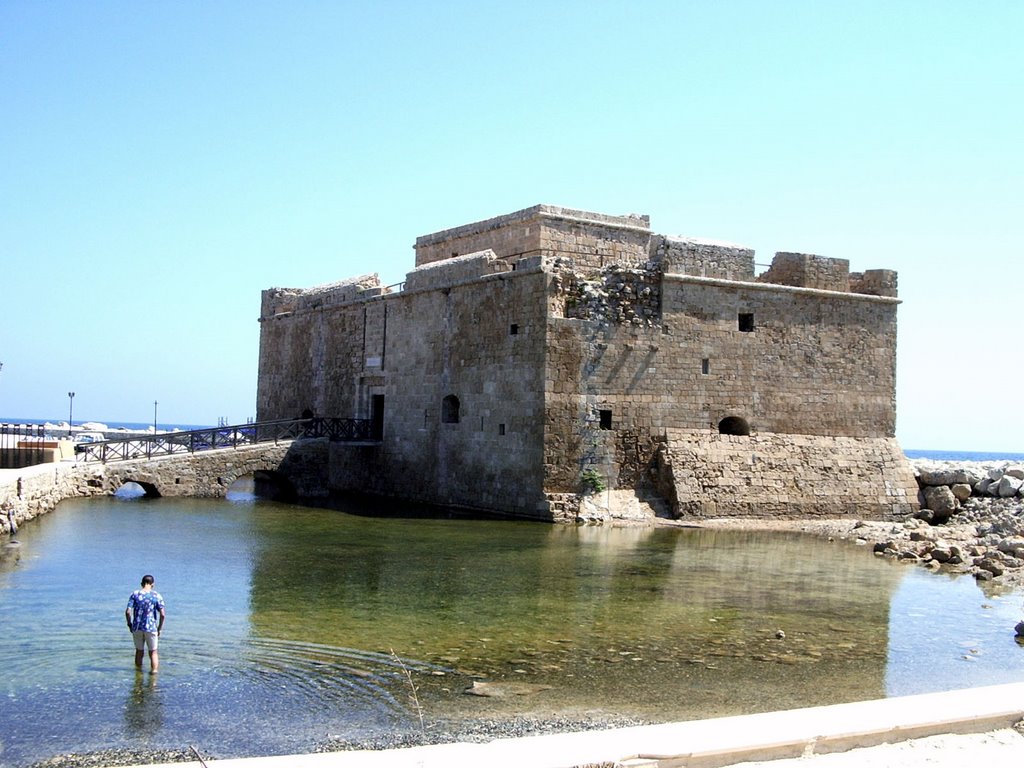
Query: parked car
84, 439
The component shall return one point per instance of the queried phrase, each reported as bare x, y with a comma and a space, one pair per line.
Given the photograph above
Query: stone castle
561, 365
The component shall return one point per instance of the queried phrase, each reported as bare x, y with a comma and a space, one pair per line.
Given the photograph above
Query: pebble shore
439, 732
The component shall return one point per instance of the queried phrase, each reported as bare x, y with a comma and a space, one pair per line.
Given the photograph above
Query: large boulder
944, 474
941, 501
935, 476
962, 491
1009, 486
984, 487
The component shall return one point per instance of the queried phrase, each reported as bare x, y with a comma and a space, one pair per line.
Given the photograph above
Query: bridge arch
149, 490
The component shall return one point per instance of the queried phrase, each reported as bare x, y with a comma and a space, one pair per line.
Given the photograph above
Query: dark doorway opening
450, 410
377, 417
733, 425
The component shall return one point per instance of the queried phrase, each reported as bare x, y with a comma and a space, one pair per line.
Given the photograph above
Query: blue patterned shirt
145, 608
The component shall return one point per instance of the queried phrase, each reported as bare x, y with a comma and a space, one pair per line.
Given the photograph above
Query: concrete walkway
714, 743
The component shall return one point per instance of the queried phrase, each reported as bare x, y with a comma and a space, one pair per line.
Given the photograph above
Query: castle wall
315, 360
812, 363
480, 340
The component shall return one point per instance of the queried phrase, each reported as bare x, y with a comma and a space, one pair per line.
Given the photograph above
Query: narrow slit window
746, 322
705, 366
513, 330
501, 429
605, 419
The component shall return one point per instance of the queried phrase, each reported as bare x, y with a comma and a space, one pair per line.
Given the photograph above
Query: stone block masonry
785, 476
532, 350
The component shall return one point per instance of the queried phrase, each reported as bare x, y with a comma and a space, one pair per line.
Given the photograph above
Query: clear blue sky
162, 163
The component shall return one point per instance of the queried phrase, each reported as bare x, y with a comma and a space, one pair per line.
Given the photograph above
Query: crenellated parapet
277, 302
456, 271
807, 270
703, 258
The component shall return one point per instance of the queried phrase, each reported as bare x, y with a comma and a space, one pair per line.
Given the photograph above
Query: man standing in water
145, 617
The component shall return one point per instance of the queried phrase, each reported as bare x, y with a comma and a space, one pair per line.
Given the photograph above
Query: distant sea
963, 455
133, 426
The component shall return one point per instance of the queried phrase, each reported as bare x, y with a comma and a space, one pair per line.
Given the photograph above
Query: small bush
592, 481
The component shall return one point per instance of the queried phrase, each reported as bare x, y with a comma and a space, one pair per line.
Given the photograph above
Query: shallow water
289, 626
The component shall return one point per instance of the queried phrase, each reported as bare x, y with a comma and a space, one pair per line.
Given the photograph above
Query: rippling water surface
289, 626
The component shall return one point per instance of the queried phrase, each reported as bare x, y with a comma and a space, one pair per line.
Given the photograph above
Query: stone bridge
297, 467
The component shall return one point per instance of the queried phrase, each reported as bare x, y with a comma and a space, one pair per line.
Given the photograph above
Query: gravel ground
441, 732
108, 758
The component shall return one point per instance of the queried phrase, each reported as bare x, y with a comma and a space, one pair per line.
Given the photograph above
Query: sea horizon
940, 455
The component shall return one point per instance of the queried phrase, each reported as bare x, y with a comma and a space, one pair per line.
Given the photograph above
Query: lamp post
154, 417
71, 411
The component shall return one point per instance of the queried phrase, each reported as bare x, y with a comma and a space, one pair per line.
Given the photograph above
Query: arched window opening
450, 410
733, 425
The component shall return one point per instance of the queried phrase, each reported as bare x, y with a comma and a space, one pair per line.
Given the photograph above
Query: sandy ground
995, 748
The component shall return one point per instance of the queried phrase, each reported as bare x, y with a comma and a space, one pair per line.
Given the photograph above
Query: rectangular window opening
606, 419
513, 330
746, 322
501, 429
705, 366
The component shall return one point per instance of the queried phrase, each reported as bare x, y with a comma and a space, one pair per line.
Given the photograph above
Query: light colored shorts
144, 639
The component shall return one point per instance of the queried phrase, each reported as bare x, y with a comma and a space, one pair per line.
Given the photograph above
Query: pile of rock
945, 486
972, 519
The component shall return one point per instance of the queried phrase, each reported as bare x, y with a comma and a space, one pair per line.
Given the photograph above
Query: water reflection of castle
662, 623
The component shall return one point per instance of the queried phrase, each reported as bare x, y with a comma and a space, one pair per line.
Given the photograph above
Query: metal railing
23, 445
172, 443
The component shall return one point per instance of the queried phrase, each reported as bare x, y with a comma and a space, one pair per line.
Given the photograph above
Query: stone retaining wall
785, 476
